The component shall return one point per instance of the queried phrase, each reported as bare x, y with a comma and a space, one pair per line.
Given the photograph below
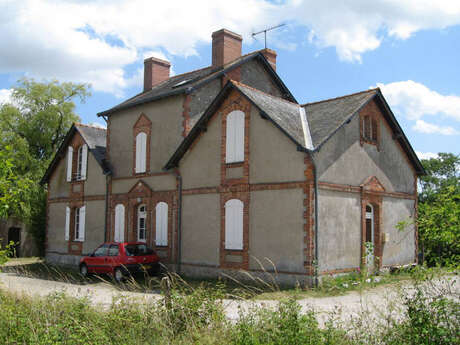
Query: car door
97, 262
114, 259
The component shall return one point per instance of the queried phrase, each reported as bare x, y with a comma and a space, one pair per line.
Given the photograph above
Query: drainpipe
107, 182
315, 178
179, 219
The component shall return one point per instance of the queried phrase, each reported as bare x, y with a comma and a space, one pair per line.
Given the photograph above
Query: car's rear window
138, 250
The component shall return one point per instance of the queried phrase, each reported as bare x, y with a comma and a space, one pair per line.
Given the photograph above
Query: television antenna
265, 32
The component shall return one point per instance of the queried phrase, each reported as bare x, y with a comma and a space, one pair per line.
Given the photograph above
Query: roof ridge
90, 126
340, 97
263, 92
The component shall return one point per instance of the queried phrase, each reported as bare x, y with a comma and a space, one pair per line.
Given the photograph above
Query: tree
32, 127
439, 210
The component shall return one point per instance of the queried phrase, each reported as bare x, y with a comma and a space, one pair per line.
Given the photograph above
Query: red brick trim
142, 125
203, 190
357, 189
79, 198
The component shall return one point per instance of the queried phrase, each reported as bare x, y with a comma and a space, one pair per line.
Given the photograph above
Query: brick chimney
270, 55
155, 71
226, 47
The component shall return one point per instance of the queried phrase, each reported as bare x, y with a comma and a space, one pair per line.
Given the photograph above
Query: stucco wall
58, 185
95, 179
343, 160
200, 167
156, 183
255, 75
201, 229
273, 156
400, 249
56, 228
94, 225
276, 229
339, 234
166, 117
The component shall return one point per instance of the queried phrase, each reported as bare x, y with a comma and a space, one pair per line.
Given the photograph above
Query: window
141, 216
369, 224
119, 223
141, 152
69, 163
67, 223
234, 224
114, 250
370, 128
138, 250
82, 158
101, 251
235, 137
80, 224
161, 224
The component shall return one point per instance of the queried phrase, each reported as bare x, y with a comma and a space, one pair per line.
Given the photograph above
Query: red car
120, 259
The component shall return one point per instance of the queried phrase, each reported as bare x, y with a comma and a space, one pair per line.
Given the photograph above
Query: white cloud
426, 155
416, 100
99, 41
430, 128
98, 125
5, 95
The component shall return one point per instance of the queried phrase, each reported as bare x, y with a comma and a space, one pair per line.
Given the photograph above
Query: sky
329, 48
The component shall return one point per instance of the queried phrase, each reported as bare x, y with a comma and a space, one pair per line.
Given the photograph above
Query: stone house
221, 169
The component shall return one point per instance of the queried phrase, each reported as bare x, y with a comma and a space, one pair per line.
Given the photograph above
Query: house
221, 169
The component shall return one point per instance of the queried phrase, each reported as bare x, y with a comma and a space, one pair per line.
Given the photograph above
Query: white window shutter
67, 223
141, 152
69, 163
235, 137
84, 162
82, 223
234, 224
161, 237
119, 223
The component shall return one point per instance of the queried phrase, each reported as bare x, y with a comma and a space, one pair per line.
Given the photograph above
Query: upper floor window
235, 137
369, 128
234, 224
80, 163
141, 227
141, 152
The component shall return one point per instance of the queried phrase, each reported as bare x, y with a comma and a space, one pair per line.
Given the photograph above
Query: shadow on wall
12, 230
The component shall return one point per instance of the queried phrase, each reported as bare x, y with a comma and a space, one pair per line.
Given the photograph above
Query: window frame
77, 223
235, 137
234, 222
161, 237
140, 166
142, 215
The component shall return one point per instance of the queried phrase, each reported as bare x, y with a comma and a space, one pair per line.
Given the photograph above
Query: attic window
369, 129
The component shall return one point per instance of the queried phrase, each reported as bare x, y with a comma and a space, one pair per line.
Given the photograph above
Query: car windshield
138, 250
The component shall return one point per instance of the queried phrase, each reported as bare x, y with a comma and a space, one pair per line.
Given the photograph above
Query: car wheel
118, 274
84, 270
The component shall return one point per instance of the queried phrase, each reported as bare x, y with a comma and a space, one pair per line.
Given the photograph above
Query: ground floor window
161, 213
119, 223
234, 224
141, 227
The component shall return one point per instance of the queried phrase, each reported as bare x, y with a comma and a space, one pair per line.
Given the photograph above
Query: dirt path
378, 300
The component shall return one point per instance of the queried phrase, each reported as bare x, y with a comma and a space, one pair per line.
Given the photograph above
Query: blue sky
410, 49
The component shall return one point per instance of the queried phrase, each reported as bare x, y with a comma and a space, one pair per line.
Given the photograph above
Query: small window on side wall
235, 137
161, 213
369, 129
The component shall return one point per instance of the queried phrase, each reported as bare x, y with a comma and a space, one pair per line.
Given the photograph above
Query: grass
256, 289
194, 315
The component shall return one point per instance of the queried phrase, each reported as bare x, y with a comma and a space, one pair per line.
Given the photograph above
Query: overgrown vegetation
429, 314
32, 127
439, 210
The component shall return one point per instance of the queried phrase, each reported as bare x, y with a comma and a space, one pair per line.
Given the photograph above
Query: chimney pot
155, 71
226, 47
270, 55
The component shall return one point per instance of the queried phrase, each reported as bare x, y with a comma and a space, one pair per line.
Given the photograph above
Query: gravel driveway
377, 301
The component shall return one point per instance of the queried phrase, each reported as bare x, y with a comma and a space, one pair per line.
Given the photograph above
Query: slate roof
325, 117
187, 82
94, 137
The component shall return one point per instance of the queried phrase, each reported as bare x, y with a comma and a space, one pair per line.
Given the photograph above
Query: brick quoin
309, 216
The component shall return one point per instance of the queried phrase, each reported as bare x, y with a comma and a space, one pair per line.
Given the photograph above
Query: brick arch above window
143, 126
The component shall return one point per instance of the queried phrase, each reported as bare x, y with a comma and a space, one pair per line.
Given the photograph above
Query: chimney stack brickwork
270, 55
155, 72
226, 47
